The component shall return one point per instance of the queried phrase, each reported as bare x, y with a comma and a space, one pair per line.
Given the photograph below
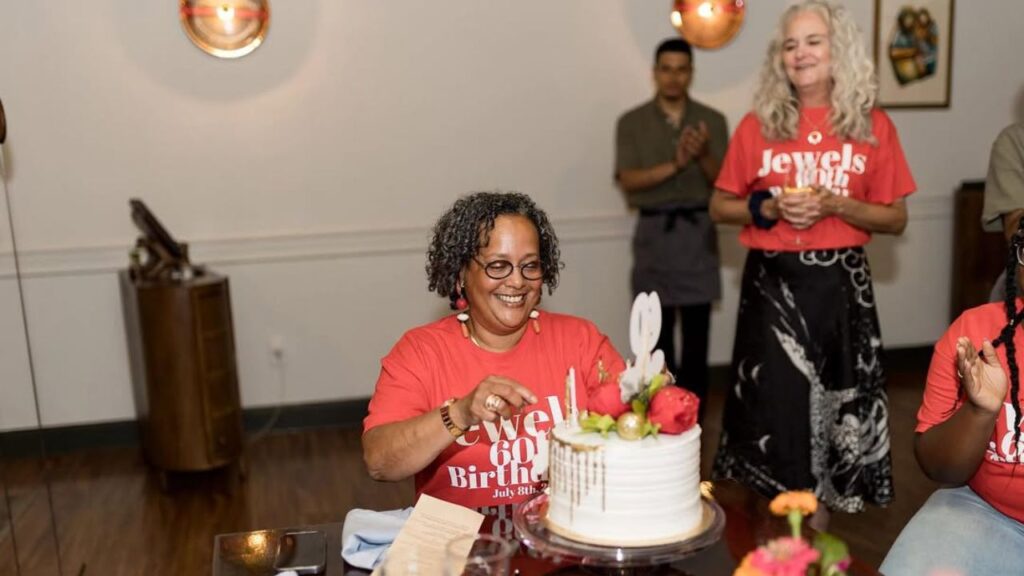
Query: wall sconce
708, 23
225, 28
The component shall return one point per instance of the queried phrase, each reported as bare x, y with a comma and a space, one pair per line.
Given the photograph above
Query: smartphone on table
304, 552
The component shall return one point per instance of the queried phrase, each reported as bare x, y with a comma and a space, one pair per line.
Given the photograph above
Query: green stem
796, 519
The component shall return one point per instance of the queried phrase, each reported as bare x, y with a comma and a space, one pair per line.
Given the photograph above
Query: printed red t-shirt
999, 479
871, 173
492, 464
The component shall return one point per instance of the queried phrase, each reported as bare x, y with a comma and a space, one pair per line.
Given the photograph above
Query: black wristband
754, 202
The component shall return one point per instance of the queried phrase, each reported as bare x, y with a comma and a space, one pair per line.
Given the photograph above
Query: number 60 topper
644, 329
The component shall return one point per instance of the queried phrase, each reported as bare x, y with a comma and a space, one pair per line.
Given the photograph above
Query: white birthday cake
627, 473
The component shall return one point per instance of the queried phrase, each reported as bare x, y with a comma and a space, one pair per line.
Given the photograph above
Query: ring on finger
494, 403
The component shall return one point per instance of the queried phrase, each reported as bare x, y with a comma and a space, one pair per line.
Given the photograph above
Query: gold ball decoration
708, 23
225, 28
630, 426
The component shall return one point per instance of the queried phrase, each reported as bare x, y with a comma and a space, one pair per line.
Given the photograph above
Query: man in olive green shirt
1004, 191
667, 155
1004, 186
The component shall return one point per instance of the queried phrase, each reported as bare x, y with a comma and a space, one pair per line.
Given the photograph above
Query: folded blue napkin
367, 535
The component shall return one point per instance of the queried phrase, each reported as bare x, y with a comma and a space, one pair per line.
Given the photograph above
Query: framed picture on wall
914, 52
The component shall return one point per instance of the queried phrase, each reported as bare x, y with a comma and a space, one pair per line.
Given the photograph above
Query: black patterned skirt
807, 407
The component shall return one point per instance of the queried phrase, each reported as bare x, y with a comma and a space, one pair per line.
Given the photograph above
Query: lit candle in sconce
708, 24
226, 15
226, 12
225, 28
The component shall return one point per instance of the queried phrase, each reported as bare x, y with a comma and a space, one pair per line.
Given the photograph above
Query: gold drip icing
584, 473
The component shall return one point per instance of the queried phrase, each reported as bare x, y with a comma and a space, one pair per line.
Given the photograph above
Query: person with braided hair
969, 441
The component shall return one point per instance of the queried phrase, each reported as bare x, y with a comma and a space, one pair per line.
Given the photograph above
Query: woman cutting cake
464, 403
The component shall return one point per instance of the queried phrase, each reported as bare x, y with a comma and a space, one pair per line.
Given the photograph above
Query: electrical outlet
277, 346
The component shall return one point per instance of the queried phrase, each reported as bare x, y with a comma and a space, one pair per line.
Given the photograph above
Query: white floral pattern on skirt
807, 408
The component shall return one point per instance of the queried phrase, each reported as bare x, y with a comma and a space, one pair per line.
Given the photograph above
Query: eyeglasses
501, 269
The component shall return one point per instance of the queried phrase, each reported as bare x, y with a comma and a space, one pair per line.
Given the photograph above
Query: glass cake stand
531, 529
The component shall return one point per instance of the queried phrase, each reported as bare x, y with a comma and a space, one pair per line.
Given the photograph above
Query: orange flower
746, 567
803, 501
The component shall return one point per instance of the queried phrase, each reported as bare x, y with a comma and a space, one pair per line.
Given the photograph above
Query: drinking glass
478, 555
798, 181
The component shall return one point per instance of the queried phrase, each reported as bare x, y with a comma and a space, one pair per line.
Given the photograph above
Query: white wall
311, 170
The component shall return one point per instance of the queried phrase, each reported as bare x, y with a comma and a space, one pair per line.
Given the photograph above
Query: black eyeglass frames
501, 269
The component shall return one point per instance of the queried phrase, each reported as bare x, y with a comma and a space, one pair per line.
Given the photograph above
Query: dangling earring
462, 305
534, 315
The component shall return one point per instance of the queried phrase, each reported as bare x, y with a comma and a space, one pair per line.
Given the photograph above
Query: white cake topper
644, 328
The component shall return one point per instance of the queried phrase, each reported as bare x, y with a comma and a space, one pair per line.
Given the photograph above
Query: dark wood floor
112, 517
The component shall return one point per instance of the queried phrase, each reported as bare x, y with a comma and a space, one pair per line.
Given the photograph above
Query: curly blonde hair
854, 85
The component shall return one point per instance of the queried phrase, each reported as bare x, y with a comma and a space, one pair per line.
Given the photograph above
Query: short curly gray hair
466, 227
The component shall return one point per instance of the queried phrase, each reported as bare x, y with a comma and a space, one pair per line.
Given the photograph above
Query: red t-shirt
871, 173
999, 479
492, 463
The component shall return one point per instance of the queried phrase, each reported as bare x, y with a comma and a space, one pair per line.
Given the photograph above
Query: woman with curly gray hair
464, 403
811, 174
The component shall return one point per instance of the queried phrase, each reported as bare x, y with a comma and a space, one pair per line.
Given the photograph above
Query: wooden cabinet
184, 377
978, 256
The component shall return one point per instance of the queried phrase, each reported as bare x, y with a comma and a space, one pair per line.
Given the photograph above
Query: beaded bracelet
450, 424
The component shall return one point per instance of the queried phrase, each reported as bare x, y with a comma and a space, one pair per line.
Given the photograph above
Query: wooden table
748, 523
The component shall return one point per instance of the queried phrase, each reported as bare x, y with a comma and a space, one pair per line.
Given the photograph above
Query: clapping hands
693, 144
983, 378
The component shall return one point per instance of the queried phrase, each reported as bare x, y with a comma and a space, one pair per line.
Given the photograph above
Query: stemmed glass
478, 555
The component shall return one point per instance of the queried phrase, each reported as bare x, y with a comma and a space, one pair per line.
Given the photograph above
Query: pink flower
675, 409
606, 399
784, 557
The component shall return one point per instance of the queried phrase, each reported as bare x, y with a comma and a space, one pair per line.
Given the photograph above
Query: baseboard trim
340, 414
65, 439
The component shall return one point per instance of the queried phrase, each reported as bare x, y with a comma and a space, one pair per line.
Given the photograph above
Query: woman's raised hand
984, 379
493, 397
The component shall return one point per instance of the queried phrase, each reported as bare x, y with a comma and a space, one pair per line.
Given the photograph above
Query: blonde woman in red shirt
811, 174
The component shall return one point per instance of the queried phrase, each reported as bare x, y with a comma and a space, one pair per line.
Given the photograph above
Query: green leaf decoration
639, 406
650, 429
833, 550
601, 423
657, 383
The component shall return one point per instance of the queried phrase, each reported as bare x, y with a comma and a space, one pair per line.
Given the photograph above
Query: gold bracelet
452, 427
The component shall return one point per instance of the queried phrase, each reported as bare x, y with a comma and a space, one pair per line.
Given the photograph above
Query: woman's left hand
984, 379
819, 204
